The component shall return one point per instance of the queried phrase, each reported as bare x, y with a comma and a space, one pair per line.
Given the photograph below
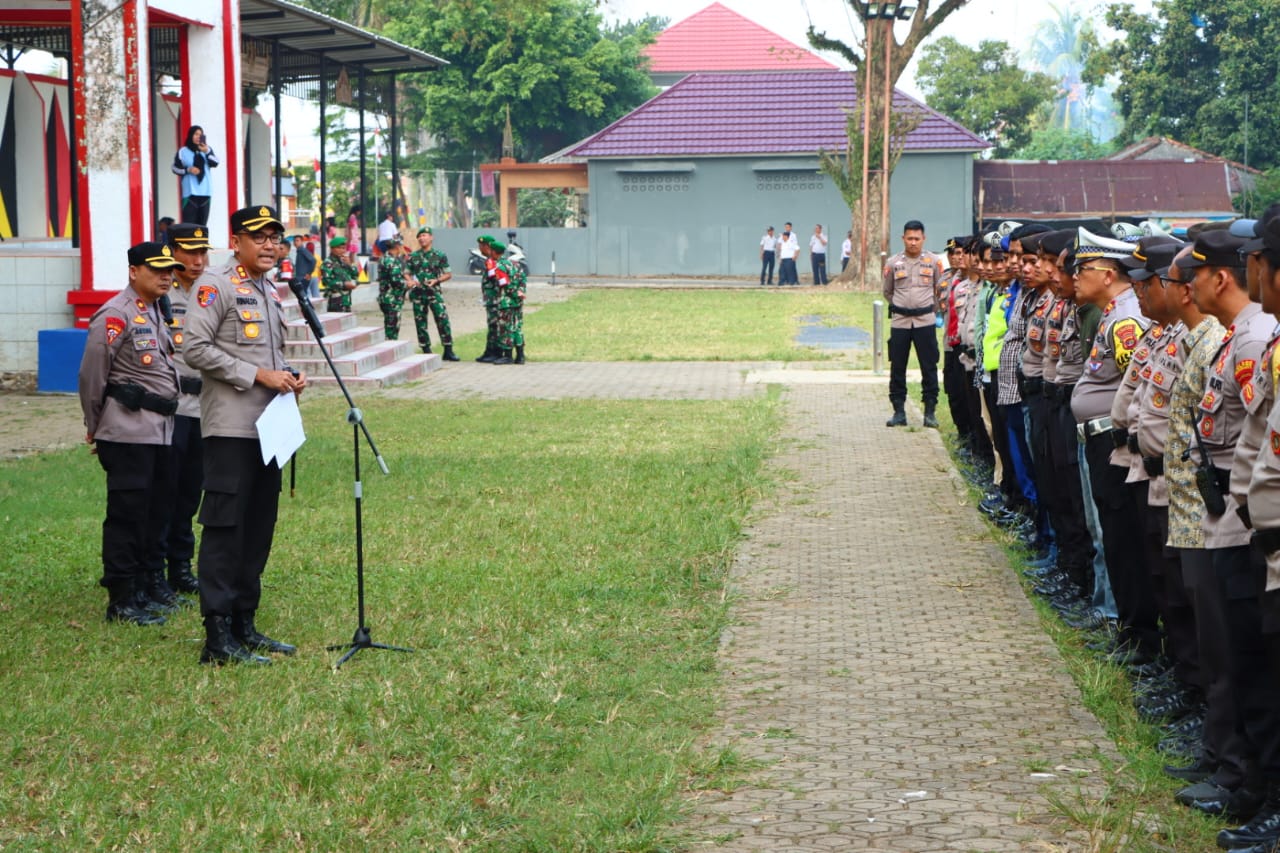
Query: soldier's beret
337, 242
497, 246
158, 256
423, 230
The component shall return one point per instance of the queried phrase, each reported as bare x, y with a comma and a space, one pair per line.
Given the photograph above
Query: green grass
558, 567
688, 325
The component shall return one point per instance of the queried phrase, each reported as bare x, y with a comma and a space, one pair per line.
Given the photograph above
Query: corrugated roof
719, 39
740, 114
1103, 188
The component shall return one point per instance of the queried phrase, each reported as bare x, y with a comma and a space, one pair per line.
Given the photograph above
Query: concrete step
406, 369
298, 330
339, 343
361, 361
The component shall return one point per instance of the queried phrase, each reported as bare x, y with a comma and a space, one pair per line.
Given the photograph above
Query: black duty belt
1131, 441
133, 397
1029, 386
1266, 541
190, 384
1153, 465
909, 312
1119, 437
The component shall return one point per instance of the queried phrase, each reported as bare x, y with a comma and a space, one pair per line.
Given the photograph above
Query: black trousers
925, 341
766, 267
1062, 493
1174, 603
1126, 561
787, 272
818, 264
195, 209
242, 497
1244, 571
953, 382
1000, 439
979, 436
137, 494
186, 477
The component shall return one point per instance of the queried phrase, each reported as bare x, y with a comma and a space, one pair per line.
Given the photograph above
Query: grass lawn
557, 566
687, 325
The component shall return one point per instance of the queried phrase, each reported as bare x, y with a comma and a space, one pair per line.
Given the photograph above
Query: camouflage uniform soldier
511, 312
391, 286
489, 296
430, 267
338, 276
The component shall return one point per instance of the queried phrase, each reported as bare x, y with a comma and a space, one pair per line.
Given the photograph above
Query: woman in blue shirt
193, 162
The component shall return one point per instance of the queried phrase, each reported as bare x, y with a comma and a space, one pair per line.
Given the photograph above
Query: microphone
309, 314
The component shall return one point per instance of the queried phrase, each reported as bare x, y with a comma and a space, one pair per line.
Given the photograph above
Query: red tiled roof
1104, 188
780, 113
719, 39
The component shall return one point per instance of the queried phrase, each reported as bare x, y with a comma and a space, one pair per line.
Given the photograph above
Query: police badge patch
206, 295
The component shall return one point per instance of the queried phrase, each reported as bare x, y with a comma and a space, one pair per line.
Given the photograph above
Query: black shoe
1262, 831
143, 601
426, 349
1197, 771
503, 357
220, 647
519, 354
1208, 797
181, 579
243, 630
449, 354
486, 356
930, 421
123, 607
899, 419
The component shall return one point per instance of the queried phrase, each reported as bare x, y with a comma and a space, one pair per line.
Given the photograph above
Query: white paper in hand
280, 429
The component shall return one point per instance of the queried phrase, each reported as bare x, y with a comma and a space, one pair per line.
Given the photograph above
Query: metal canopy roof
312, 35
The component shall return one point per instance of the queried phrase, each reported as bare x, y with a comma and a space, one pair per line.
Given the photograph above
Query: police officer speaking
129, 393
235, 335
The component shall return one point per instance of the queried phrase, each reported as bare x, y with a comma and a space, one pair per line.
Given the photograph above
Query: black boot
221, 647
181, 578
122, 607
1262, 830
503, 357
449, 354
899, 417
490, 353
929, 419
426, 348
159, 592
242, 629
520, 354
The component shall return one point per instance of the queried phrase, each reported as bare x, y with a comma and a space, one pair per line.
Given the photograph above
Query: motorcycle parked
515, 254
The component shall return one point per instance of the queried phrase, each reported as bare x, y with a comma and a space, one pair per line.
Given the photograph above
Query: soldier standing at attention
129, 393
489, 296
430, 267
912, 287
510, 308
235, 336
392, 275
338, 277
190, 245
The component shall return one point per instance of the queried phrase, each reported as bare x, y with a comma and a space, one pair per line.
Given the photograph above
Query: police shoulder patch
206, 295
114, 326
1244, 370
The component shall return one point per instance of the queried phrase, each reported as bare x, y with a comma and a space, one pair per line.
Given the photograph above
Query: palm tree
1059, 48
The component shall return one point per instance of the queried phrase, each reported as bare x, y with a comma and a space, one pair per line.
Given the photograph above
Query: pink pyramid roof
713, 115
719, 39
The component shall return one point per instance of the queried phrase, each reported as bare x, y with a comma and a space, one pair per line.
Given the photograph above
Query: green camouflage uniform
334, 275
427, 266
391, 294
510, 305
489, 296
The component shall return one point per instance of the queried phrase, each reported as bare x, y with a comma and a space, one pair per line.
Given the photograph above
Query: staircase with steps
362, 354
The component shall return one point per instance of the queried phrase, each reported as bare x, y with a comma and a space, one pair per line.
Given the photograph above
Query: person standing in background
818, 255
846, 250
193, 161
788, 251
768, 245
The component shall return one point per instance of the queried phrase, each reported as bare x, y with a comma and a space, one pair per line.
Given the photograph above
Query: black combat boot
503, 357
251, 638
221, 647
930, 420
123, 607
449, 354
157, 589
899, 416
1262, 830
490, 353
520, 354
426, 349
181, 578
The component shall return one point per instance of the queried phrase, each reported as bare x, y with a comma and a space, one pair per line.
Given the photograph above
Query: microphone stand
362, 638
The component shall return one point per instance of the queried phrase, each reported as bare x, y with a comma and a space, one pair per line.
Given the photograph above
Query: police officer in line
190, 246
912, 287
235, 336
129, 393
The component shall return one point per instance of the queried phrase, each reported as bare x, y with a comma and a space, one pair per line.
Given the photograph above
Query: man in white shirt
768, 243
846, 251
818, 255
387, 232
788, 251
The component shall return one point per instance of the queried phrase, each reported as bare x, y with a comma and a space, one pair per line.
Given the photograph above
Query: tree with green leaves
879, 38
1060, 46
1189, 70
1050, 142
984, 89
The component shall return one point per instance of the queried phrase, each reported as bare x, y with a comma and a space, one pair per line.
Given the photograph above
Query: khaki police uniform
128, 394
234, 325
911, 287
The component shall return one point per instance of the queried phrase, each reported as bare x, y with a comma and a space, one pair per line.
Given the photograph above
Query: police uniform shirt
1033, 351
179, 297
1263, 485
1124, 407
913, 283
1118, 333
1222, 410
127, 343
235, 325
1053, 338
1151, 418
1185, 504
1070, 349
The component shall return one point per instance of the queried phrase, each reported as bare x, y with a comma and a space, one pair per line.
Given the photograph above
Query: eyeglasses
1097, 269
261, 238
